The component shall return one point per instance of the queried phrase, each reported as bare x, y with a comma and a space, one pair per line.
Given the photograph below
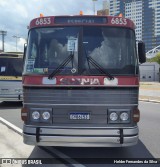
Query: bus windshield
113, 49
11, 66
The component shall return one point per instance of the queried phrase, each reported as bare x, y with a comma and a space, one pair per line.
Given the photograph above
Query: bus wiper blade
98, 67
95, 64
63, 64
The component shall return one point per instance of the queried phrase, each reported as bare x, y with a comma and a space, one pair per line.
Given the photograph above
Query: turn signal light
136, 115
24, 114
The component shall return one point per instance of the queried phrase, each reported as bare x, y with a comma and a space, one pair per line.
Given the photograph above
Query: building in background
105, 9
134, 10
149, 24
146, 16
116, 7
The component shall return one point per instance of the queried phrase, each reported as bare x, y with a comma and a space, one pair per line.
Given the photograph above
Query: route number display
121, 21
43, 21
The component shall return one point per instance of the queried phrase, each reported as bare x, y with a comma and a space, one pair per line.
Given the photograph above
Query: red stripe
122, 80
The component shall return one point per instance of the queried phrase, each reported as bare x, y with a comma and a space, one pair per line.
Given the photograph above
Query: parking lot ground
149, 91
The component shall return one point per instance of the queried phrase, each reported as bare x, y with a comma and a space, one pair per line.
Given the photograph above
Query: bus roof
78, 20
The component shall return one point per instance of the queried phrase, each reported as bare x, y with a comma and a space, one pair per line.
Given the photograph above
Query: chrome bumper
80, 137
10, 97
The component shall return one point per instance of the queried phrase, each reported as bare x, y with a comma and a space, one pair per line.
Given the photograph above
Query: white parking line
152, 102
67, 158
11, 126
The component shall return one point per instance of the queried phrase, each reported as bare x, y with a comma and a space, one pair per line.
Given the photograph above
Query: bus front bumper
80, 137
11, 97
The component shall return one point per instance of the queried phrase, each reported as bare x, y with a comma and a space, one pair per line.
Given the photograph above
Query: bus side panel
10, 90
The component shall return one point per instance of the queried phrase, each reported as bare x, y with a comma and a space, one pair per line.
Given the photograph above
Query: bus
11, 66
81, 82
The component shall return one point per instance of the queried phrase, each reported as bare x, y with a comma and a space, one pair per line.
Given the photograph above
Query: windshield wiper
96, 65
99, 68
63, 64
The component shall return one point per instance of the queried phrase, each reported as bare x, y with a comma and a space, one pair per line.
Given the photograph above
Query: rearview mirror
141, 52
24, 53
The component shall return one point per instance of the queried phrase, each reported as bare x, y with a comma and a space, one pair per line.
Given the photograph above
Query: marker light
35, 115
113, 116
81, 13
136, 115
124, 116
41, 15
120, 15
46, 115
24, 114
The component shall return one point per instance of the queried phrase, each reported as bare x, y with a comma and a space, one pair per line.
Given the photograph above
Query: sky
15, 16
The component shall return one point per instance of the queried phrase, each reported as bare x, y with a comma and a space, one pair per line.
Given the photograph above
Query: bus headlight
35, 115
46, 115
18, 90
113, 116
124, 116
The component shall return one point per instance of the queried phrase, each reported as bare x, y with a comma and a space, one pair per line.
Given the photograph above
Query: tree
155, 59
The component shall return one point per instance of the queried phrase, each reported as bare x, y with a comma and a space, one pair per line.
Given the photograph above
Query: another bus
81, 82
11, 66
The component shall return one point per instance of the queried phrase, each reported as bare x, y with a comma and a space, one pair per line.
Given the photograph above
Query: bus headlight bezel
45, 115
120, 114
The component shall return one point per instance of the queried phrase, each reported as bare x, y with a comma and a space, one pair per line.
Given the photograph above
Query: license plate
79, 116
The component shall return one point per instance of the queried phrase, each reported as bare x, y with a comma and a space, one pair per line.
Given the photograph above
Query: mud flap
121, 136
37, 134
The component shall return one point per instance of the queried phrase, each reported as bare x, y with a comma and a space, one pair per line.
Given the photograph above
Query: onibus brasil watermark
21, 161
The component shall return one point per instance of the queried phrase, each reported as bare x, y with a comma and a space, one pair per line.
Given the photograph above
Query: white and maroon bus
81, 82
11, 67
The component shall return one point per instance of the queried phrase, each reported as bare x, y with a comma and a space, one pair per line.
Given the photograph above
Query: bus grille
81, 96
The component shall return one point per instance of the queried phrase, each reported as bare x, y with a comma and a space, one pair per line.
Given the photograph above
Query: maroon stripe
122, 80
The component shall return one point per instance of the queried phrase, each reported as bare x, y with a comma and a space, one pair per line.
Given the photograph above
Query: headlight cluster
18, 90
119, 116
41, 115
